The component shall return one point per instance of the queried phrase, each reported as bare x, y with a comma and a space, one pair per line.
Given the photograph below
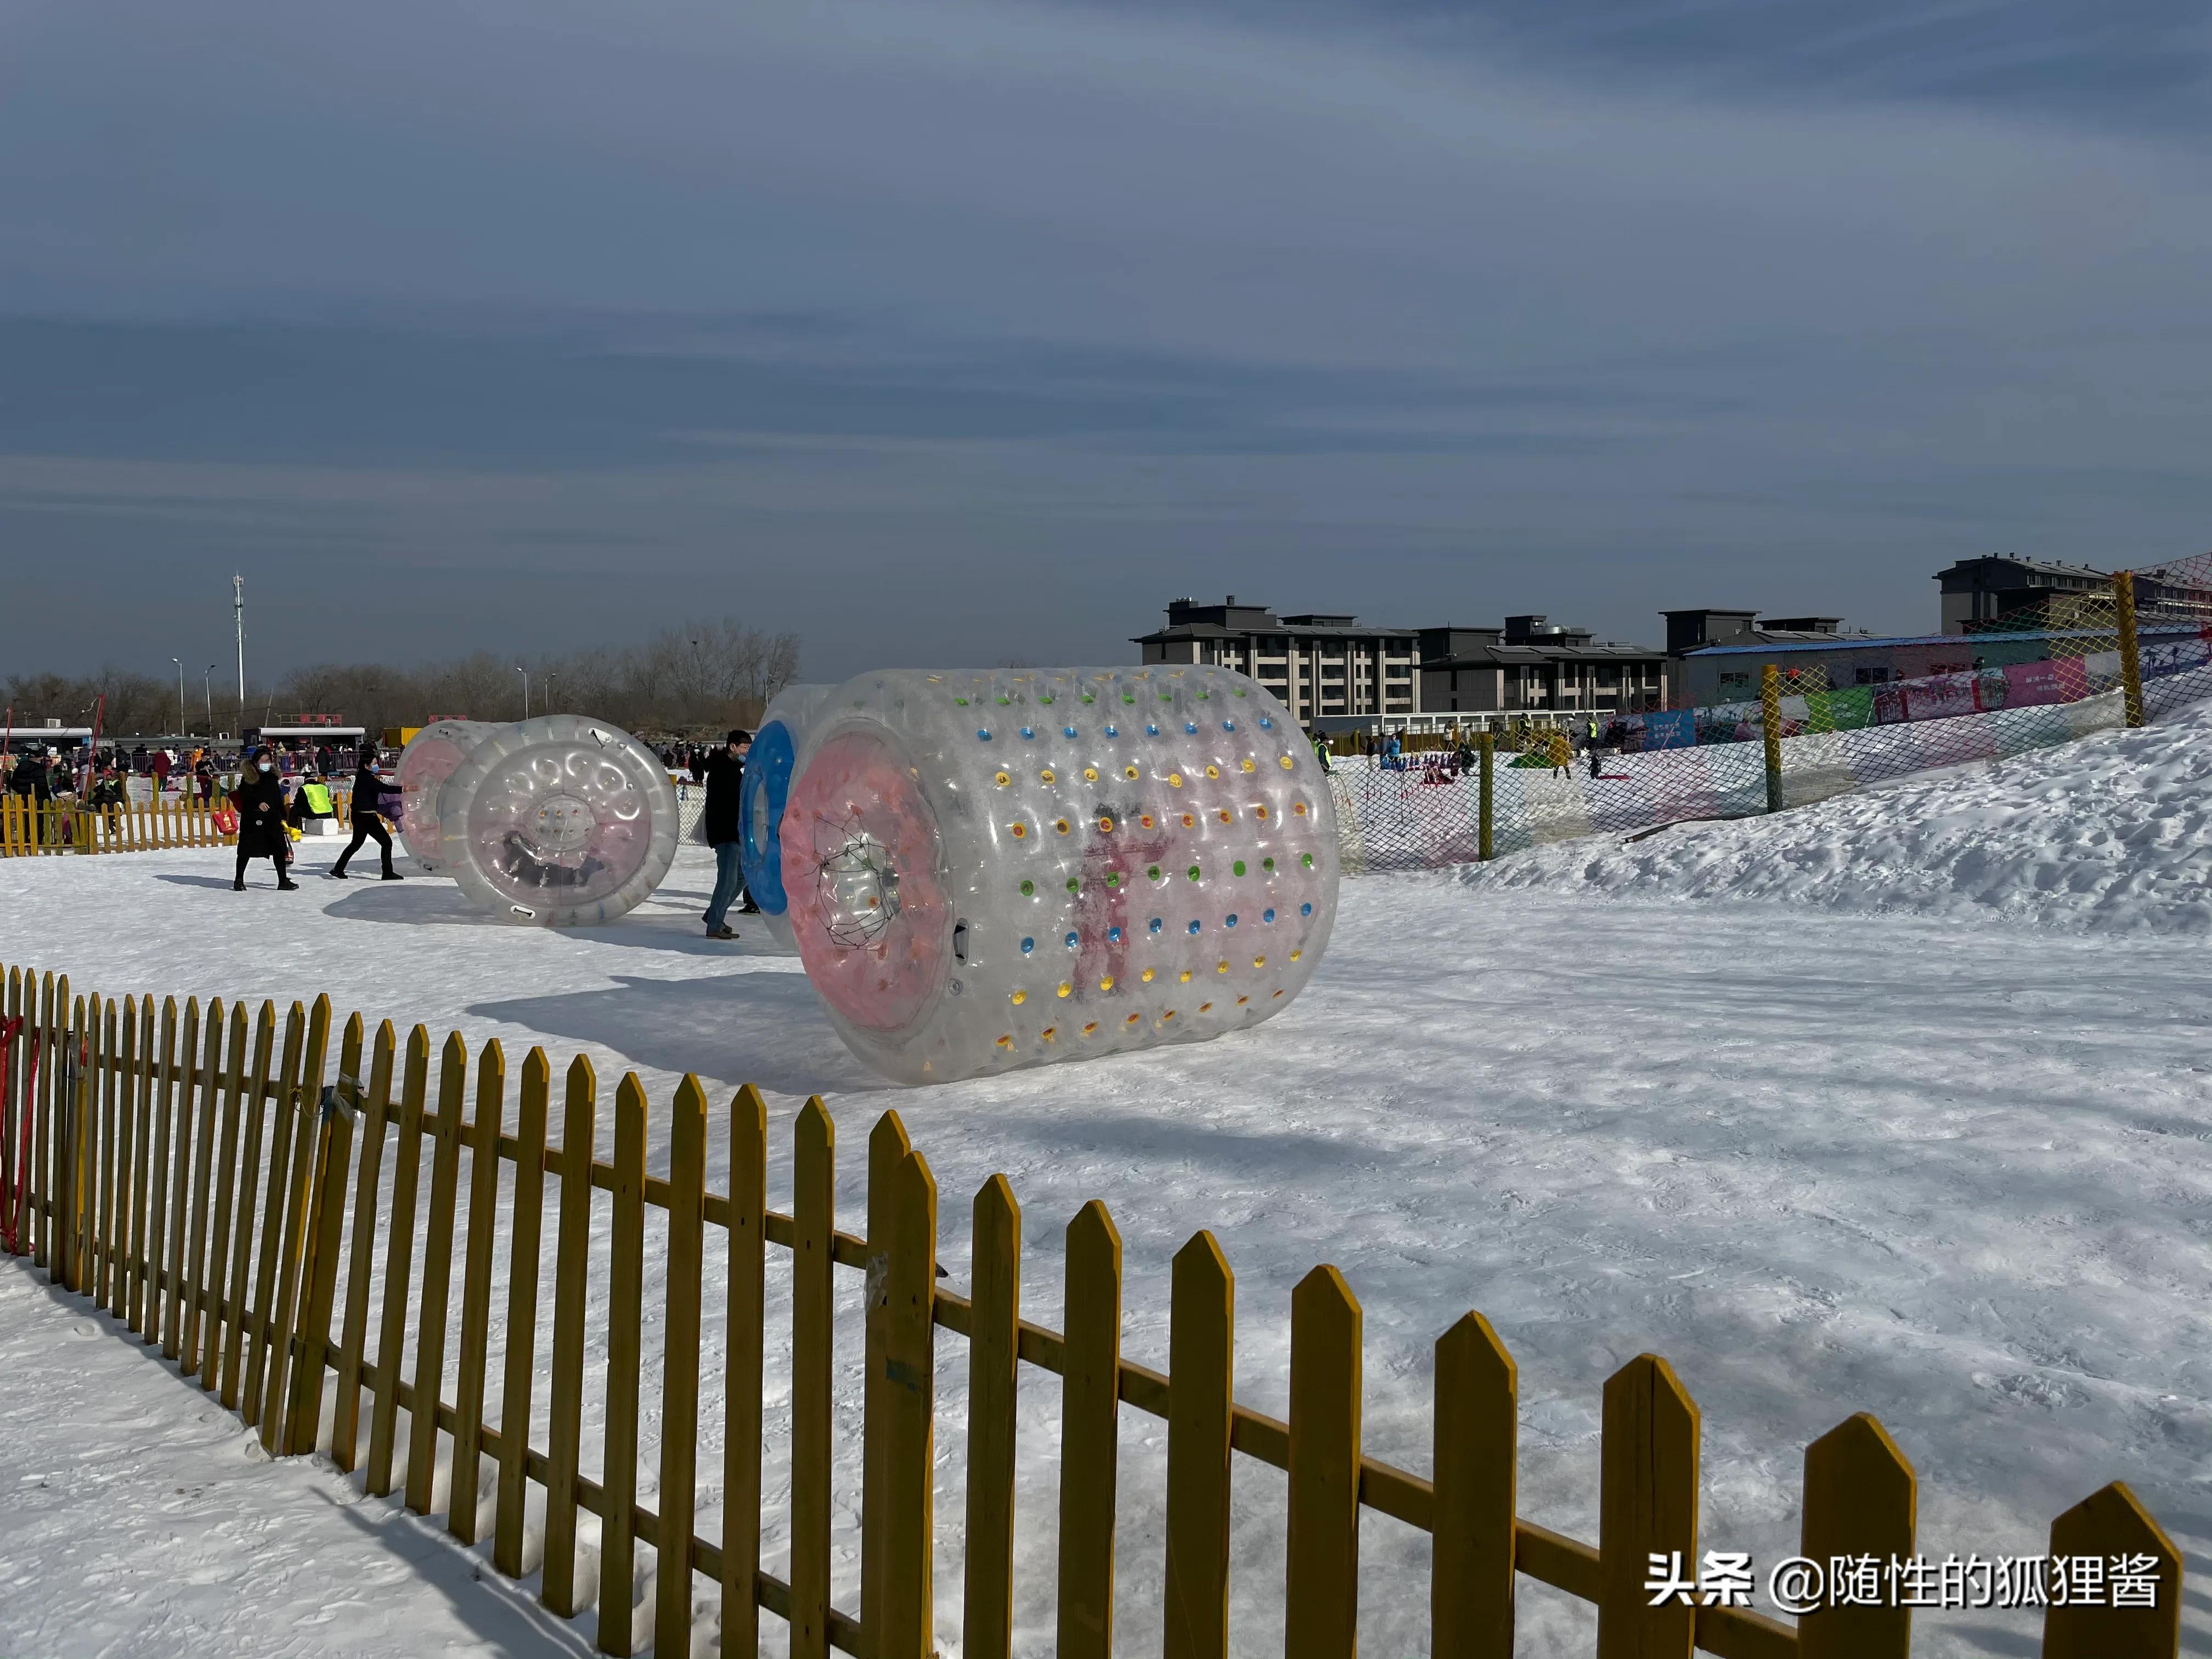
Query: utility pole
238, 616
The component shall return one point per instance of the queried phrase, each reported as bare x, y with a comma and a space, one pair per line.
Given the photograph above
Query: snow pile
2113, 833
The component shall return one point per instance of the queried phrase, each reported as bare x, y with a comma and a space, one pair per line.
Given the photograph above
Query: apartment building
1322, 665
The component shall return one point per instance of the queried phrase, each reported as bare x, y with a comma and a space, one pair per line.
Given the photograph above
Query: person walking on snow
259, 798
367, 822
726, 786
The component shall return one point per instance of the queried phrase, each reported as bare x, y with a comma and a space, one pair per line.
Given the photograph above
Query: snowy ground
1950, 1168
2111, 835
142, 1522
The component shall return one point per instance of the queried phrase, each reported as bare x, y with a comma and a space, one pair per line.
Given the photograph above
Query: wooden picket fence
196, 1179
29, 828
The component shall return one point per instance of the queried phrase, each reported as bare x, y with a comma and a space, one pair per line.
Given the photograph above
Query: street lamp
550, 679
180, 694
207, 689
525, 673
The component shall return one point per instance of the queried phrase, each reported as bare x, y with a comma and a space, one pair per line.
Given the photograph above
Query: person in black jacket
259, 798
367, 822
726, 788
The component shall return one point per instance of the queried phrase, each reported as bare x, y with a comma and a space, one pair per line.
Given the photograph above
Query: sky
956, 334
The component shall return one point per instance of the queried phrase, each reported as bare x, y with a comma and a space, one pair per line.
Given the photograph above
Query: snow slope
2113, 833
1955, 1170
142, 1521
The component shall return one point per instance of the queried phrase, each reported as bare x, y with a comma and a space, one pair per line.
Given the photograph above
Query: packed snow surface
1822, 1153
2111, 834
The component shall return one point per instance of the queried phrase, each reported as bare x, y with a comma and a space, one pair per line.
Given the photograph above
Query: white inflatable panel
432, 755
559, 822
995, 869
769, 767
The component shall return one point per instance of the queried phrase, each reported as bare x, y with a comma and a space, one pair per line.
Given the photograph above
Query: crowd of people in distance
275, 790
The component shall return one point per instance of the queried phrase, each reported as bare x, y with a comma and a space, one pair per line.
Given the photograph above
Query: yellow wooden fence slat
524, 1241
1321, 1603
625, 1296
1201, 1356
283, 1119
987, 1611
437, 1277
11, 1007
216, 1276
1860, 1499
361, 1256
2107, 1525
324, 1235
105, 1278
253, 1110
399, 1266
675, 1504
1089, 1405
123, 1056
744, 1323
905, 1312
180, 1169
285, 1330
814, 1227
888, 1147
196, 1247
72, 1149
1477, 1430
157, 1175
565, 1386
141, 1153
476, 1293
1647, 1507
84, 1168
52, 1041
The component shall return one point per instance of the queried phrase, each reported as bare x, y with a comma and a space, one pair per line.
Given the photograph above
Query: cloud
1591, 310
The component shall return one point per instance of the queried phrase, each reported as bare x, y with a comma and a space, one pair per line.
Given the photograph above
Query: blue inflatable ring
760, 811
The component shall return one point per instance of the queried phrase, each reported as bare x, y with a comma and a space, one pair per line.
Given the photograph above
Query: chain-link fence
2044, 673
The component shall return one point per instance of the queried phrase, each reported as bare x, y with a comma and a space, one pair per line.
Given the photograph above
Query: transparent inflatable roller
432, 755
558, 822
768, 767
984, 871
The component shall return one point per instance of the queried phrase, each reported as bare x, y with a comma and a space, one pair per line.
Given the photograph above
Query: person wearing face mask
259, 800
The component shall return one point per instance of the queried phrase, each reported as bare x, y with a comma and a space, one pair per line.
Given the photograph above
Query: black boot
338, 871
239, 885
286, 885
391, 874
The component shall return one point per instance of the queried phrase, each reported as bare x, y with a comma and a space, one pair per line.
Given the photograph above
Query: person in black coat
367, 822
725, 788
259, 798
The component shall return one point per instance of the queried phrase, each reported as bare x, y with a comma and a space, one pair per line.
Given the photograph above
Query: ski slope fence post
1487, 799
1770, 728
2124, 607
152, 1164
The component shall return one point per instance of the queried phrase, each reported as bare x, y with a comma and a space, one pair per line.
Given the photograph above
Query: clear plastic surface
432, 755
996, 869
769, 767
558, 822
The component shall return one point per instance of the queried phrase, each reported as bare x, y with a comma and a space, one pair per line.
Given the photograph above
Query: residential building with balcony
1323, 666
1532, 666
